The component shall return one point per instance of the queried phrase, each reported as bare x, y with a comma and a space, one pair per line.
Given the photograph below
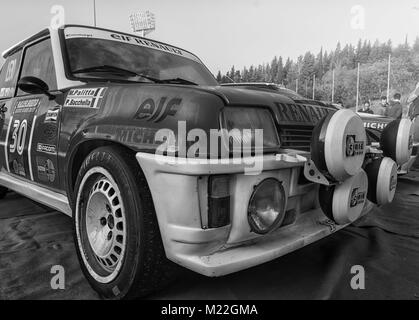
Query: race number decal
19, 138
11, 70
20, 129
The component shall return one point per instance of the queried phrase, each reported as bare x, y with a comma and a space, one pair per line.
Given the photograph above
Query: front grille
298, 138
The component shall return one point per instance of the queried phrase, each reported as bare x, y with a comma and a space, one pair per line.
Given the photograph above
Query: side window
38, 62
8, 75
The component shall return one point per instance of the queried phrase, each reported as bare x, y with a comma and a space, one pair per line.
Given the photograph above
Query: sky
224, 33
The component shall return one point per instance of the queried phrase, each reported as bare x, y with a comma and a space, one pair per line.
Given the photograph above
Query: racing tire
116, 232
3, 192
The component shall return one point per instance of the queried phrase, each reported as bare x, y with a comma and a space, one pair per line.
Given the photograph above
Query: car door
32, 140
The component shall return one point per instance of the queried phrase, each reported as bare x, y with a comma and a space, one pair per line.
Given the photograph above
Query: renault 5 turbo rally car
113, 130
374, 124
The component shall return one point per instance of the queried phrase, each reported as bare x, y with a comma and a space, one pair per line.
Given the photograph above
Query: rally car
158, 165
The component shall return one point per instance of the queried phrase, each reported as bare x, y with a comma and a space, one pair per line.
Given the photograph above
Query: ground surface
386, 243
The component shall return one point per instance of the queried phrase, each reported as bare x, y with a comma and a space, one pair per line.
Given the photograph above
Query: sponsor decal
129, 135
84, 98
393, 182
297, 113
353, 147
46, 169
50, 131
151, 110
52, 115
19, 168
357, 197
79, 32
375, 125
46, 148
27, 106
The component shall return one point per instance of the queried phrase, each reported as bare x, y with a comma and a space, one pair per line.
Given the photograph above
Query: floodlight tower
143, 22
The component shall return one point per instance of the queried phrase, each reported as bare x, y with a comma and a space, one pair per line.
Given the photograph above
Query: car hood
288, 111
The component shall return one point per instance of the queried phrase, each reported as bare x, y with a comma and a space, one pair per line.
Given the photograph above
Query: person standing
413, 102
395, 110
367, 108
381, 109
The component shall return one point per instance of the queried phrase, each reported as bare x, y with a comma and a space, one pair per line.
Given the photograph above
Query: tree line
373, 59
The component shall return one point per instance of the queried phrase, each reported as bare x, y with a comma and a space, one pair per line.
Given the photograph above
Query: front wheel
116, 231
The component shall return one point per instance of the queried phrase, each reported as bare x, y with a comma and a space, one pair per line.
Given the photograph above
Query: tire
126, 258
3, 192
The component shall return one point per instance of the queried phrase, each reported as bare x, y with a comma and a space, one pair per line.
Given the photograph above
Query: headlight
241, 123
266, 209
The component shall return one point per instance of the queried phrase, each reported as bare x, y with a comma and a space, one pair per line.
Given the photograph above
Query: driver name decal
84, 98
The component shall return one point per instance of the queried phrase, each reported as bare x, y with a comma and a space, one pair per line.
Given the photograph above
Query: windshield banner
80, 32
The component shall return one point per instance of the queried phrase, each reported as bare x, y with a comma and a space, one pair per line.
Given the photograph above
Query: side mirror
34, 85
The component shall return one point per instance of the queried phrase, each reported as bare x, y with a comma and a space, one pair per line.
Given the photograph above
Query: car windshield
106, 55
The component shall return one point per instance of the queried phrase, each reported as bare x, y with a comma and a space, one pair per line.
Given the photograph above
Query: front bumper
179, 191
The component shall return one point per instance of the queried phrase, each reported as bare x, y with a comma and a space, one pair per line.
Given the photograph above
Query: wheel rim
100, 225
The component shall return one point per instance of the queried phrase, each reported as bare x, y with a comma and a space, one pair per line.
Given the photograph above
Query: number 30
19, 136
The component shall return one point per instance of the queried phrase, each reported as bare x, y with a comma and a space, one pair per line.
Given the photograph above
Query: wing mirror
34, 85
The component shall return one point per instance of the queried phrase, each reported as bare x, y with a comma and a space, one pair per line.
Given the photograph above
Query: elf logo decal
84, 98
156, 112
353, 147
357, 198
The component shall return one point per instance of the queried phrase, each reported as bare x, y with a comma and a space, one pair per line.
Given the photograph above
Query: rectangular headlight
241, 122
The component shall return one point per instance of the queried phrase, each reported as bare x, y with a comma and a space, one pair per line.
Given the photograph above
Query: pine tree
219, 77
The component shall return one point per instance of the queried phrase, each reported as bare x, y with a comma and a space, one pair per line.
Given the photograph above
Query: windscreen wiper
113, 69
179, 81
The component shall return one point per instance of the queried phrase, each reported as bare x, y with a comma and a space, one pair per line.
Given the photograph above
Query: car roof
46, 31
24, 42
